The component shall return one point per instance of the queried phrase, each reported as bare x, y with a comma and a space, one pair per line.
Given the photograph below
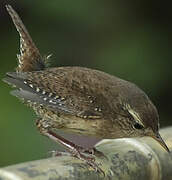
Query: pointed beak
158, 138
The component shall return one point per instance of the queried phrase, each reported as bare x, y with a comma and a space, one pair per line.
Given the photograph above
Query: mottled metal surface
126, 159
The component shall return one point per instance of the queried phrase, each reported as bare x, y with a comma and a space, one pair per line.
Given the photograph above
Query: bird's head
144, 120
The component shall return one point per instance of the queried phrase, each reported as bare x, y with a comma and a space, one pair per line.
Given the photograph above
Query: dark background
129, 39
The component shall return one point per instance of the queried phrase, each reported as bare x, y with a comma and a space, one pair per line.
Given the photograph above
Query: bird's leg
45, 129
91, 151
76, 151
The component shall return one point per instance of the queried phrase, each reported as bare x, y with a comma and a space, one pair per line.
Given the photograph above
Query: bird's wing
58, 89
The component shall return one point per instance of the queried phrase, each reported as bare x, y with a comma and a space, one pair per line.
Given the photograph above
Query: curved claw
91, 151
89, 159
95, 166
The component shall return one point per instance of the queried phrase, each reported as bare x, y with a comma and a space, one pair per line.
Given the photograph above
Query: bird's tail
29, 58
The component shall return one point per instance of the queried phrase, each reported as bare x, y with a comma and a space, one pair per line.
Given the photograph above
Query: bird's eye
138, 126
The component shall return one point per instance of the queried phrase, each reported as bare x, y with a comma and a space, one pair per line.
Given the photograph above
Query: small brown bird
80, 100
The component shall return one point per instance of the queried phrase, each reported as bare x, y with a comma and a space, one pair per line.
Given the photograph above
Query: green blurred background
130, 39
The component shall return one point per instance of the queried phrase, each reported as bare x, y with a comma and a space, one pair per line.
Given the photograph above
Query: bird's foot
86, 155
92, 151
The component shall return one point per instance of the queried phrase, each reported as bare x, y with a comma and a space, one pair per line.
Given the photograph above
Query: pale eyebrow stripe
135, 116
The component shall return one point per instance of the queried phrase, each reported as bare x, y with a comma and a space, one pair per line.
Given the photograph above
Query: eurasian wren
80, 100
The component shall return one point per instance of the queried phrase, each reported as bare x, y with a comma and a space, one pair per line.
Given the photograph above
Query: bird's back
79, 91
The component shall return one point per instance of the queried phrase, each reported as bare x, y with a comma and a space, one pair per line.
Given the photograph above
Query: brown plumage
87, 96
80, 100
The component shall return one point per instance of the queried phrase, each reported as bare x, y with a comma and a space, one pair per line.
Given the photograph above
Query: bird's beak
158, 138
